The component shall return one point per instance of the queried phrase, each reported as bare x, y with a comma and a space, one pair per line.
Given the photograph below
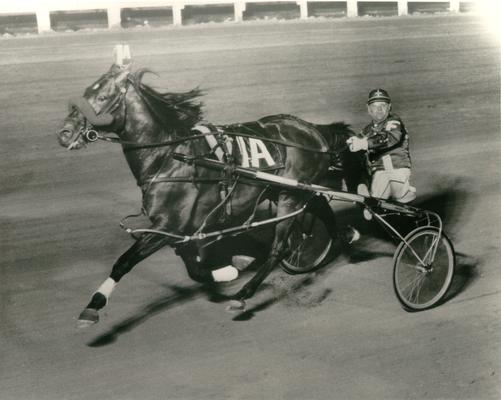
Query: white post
43, 20
239, 9
114, 18
303, 8
454, 5
177, 14
352, 8
403, 7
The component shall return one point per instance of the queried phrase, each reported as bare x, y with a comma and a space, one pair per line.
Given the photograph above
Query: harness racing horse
181, 198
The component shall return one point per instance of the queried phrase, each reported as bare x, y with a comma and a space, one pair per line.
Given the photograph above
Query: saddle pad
248, 152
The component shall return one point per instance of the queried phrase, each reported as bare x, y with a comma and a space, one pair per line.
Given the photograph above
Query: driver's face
379, 110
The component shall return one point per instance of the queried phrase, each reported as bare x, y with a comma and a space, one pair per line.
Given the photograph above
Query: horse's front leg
287, 203
146, 245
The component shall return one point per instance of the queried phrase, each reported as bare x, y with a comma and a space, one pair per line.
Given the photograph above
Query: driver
386, 143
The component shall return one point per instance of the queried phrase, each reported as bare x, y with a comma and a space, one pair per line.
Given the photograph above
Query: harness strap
178, 179
136, 146
128, 146
219, 234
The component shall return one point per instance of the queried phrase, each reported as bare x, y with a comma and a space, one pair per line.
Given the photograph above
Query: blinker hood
86, 109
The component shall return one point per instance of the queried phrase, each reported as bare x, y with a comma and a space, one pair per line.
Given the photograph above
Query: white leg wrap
225, 274
107, 287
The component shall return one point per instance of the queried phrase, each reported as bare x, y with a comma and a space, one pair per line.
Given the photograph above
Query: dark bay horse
179, 197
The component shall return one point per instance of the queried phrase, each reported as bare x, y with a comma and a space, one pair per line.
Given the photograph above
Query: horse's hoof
87, 317
236, 306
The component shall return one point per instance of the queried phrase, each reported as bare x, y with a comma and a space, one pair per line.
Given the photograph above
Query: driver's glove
356, 144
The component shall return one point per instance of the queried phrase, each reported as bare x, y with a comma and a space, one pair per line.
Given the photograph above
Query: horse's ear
122, 56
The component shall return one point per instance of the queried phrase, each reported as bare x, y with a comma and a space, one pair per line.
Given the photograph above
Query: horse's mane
172, 110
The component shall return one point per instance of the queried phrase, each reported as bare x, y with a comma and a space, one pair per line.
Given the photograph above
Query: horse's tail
336, 135
350, 165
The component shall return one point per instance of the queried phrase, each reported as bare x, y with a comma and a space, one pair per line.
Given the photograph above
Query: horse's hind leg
146, 245
207, 264
287, 203
319, 206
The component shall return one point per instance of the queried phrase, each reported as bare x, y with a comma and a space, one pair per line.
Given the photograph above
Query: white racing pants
393, 184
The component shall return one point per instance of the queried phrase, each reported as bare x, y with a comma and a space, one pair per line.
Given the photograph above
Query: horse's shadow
218, 293
449, 203
179, 295
301, 283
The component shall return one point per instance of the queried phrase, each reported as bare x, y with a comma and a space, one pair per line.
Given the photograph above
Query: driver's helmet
378, 95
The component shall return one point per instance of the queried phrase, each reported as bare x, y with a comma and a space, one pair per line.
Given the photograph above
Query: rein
137, 146
105, 118
94, 135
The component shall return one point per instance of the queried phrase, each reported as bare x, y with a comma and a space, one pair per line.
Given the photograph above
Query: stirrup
367, 214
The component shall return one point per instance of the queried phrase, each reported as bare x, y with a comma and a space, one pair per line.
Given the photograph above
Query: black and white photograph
250, 200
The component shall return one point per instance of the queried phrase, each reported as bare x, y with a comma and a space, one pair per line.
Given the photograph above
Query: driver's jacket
388, 144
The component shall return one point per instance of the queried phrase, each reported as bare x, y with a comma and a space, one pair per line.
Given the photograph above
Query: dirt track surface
336, 334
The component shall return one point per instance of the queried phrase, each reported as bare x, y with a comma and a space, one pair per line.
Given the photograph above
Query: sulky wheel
309, 244
423, 268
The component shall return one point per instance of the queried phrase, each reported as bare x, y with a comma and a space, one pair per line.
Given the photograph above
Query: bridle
90, 132
103, 118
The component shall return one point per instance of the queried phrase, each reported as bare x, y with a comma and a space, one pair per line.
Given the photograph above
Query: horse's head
100, 108
103, 108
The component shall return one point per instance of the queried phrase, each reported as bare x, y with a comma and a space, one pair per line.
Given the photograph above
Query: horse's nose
64, 136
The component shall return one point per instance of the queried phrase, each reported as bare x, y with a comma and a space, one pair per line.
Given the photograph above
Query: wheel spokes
424, 267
